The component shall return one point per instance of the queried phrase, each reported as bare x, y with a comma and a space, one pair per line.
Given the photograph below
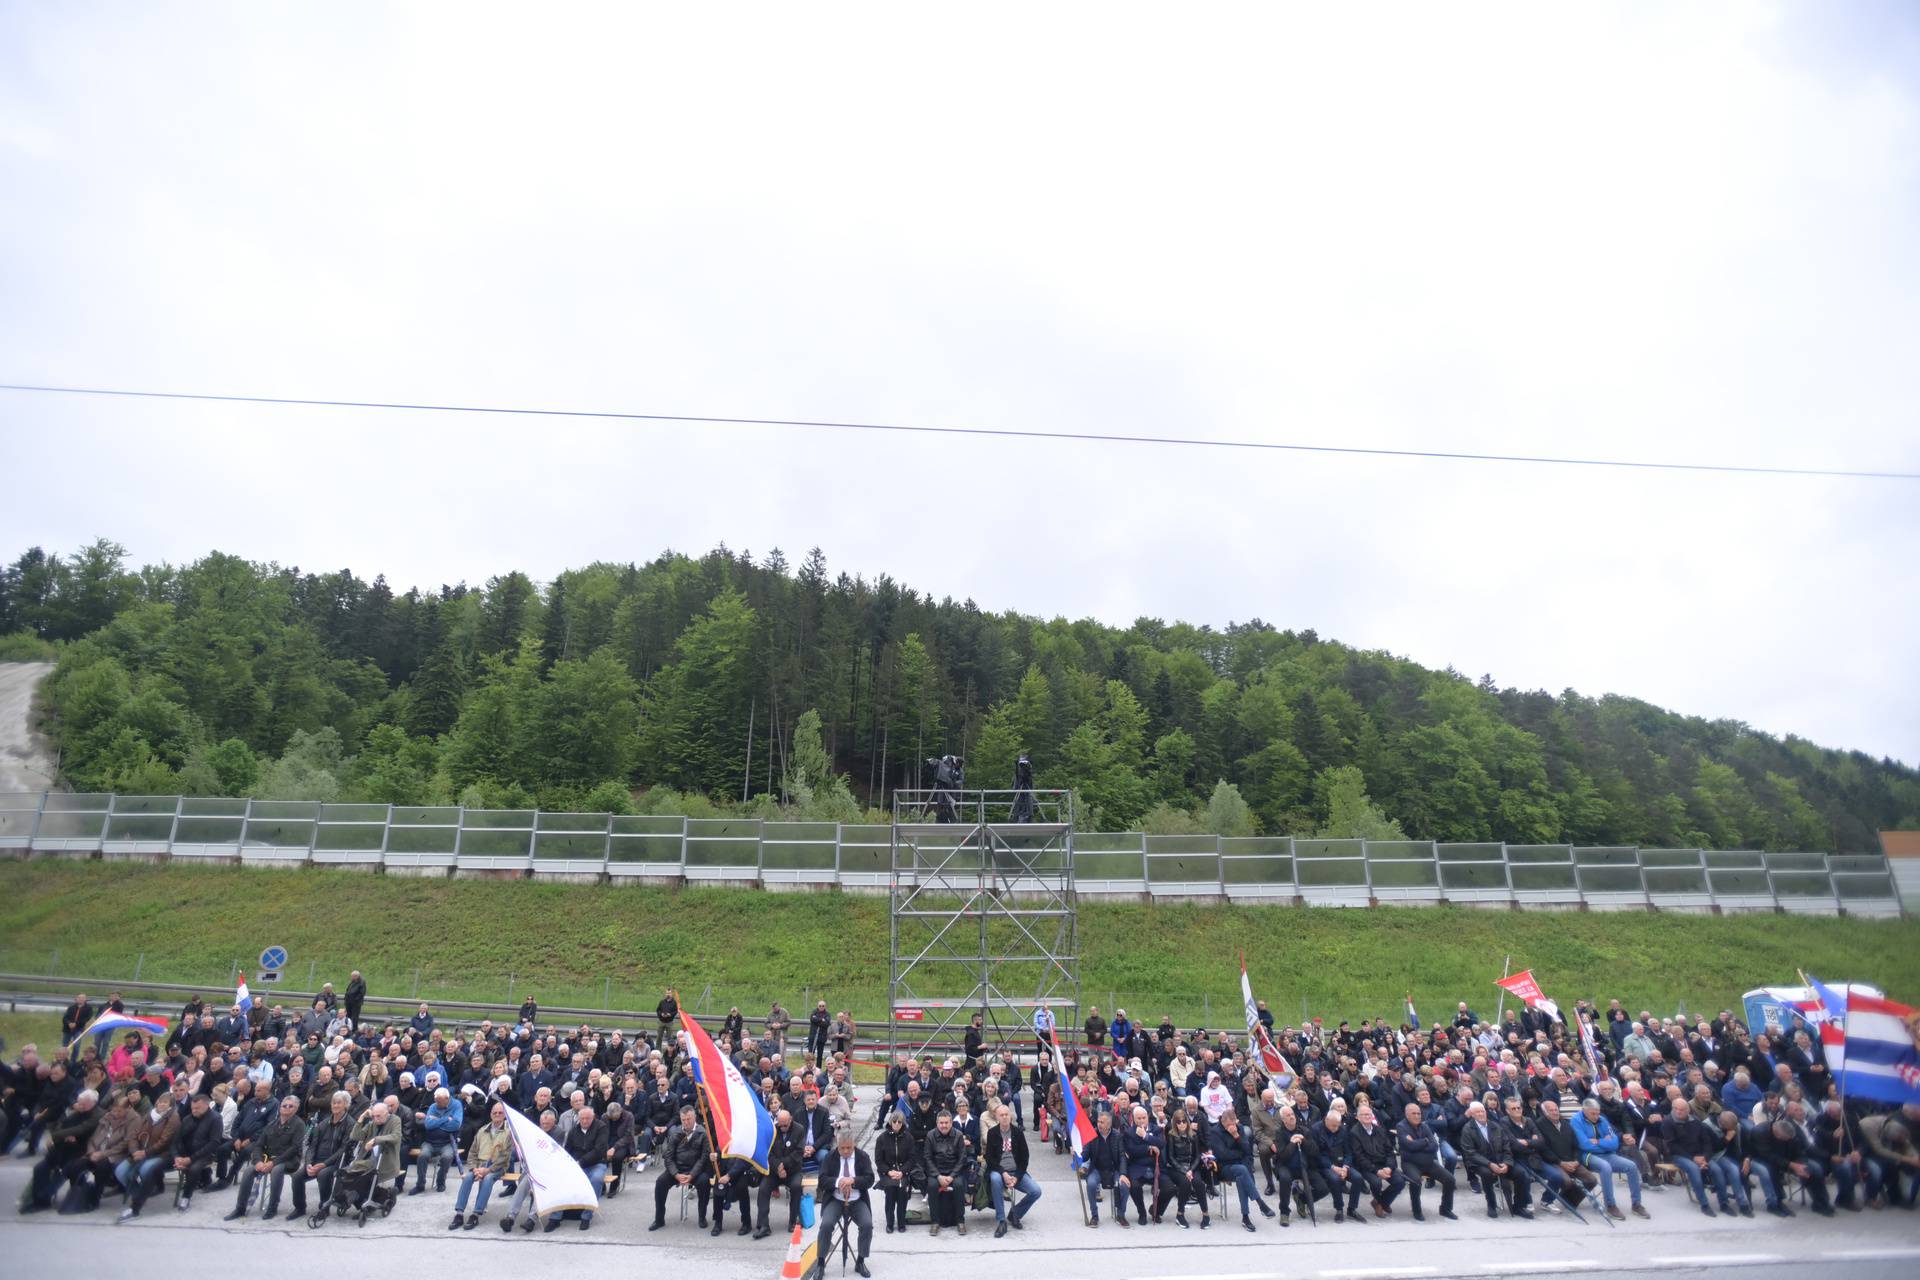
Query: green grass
42, 1029
589, 945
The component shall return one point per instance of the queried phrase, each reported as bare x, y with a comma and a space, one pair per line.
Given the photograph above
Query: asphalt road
26, 764
1865, 1246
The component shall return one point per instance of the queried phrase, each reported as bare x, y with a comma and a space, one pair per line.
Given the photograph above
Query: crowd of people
331, 1113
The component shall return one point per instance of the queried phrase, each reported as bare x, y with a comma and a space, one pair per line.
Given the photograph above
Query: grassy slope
466, 937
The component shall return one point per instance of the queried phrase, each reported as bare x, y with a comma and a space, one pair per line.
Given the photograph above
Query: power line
1008, 432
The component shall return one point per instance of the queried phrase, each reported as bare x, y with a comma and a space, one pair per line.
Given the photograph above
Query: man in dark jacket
586, 1142
66, 1158
1784, 1149
326, 1138
1329, 1151
846, 1175
1371, 1144
1106, 1158
1560, 1164
196, 1148
683, 1163
784, 1158
1487, 1149
945, 1159
275, 1153
1420, 1160
1234, 1156
356, 996
1689, 1146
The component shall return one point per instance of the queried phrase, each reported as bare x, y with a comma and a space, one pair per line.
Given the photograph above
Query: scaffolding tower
982, 918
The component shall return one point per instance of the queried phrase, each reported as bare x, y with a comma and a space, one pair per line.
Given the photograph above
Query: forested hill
228, 677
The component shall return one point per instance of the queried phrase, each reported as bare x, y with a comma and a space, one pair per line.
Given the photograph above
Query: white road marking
1717, 1259
1527, 1268
1361, 1273
1871, 1253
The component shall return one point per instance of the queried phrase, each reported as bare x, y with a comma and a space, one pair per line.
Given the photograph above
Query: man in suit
1487, 1148
846, 1175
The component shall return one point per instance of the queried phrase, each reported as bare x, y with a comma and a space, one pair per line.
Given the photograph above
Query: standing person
896, 1158
75, 1019
846, 1175
819, 1023
666, 1011
1095, 1027
356, 996
843, 1034
1005, 1152
778, 1020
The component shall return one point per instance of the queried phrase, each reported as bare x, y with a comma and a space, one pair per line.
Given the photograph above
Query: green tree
1341, 794
1228, 814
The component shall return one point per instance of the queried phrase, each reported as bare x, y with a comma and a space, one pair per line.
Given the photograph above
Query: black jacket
830, 1175
786, 1152
990, 1148
1232, 1148
1417, 1142
1479, 1152
1524, 1138
944, 1154
326, 1139
1372, 1151
685, 1150
1107, 1154
1559, 1143
897, 1151
199, 1136
588, 1144
1685, 1139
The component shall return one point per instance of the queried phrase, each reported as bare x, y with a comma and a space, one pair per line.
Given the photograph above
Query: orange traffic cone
796, 1257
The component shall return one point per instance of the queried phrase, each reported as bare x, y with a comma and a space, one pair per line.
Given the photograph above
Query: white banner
558, 1180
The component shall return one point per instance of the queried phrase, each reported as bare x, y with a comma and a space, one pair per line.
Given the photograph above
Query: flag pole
1808, 983
1506, 971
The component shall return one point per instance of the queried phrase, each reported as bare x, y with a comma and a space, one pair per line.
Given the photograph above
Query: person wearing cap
276, 1154
846, 1176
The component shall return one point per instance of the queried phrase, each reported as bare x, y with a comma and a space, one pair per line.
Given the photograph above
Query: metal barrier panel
579, 838
656, 842
496, 839
1473, 871
424, 836
1542, 872
866, 854
279, 830
799, 850
350, 828
1331, 872
725, 847
18, 814
1251, 863
1182, 864
1864, 885
1110, 861
1404, 870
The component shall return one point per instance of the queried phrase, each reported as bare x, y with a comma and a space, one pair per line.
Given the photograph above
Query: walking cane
1156, 1184
1548, 1193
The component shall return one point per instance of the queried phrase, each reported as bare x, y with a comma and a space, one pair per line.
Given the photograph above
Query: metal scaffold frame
983, 917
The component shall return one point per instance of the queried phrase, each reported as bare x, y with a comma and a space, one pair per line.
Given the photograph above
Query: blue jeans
1093, 1196
486, 1181
1608, 1163
1243, 1183
997, 1188
596, 1178
1696, 1178
130, 1177
1448, 1156
438, 1148
1725, 1172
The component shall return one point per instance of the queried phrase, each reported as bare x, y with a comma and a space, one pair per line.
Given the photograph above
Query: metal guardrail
616, 848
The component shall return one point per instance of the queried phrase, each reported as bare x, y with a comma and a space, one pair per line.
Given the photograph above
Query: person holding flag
1267, 1056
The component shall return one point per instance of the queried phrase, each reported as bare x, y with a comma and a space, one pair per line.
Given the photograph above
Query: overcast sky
1677, 232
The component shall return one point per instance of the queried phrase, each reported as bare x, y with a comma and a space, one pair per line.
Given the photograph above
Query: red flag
1523, 986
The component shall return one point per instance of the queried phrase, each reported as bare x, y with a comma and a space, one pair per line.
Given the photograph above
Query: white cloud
1635, 232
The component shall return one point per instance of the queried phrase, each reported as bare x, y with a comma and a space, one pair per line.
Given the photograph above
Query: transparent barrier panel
798, 846
1485, 851
1670, 857
1857, 886
1404, 874
220, 807
1742, 883
1796, 862
1474, 877
1610, 879
294, 810
1542, 877
1271, 868
1735, 860
136, 826
145, 804
1107, 841
354, 813
422, 839
271, 833
1673, 880
71, 825
81, 801
1802, 884
1179, 868
1400, 851
1539, 853
197, 830
426, 815
1330, 872
1607, 856
723, 842
350, 837
1108, 866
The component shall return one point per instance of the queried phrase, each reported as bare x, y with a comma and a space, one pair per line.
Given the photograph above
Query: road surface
1677, 1241
26, 762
